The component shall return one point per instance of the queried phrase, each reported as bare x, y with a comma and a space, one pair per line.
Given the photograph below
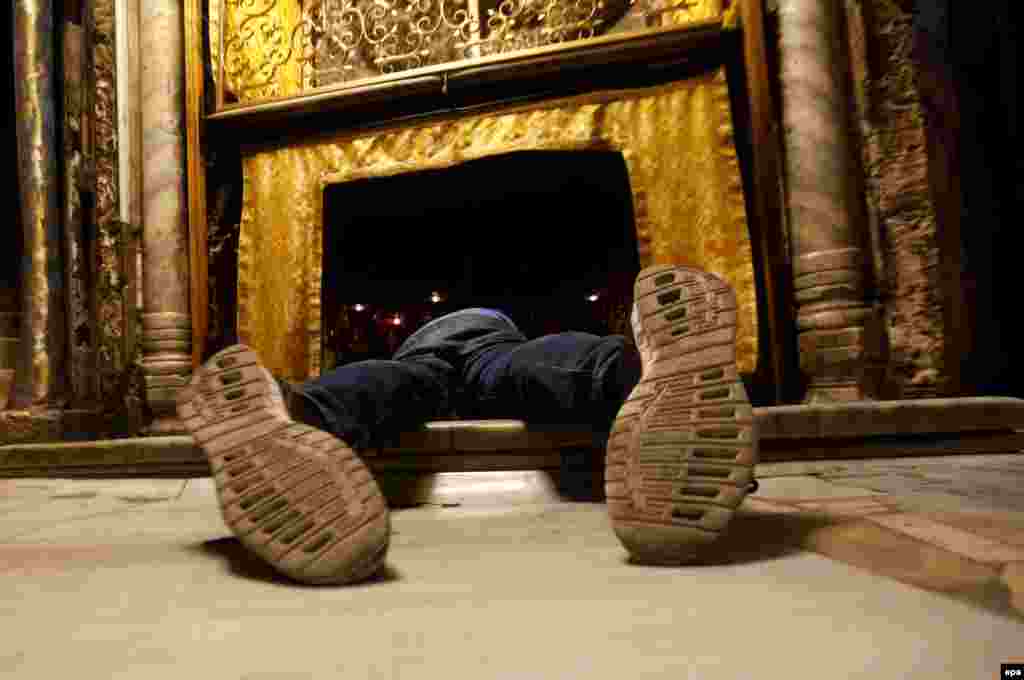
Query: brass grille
326, 42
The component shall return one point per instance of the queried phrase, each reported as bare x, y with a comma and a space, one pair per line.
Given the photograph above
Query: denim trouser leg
560, 378
368, 402
476, 362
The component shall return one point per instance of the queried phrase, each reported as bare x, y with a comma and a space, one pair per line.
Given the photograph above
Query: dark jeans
475, 363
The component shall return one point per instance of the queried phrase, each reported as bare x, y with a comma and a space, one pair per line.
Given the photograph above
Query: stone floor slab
143, 580
536, 591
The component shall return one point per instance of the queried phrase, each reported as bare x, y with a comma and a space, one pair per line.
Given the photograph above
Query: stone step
880, 418
820, 432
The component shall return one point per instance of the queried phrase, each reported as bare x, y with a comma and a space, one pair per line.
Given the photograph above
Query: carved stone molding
829, 269
881, 429
166, 346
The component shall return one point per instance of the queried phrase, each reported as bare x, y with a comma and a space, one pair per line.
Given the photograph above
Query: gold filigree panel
258, 45
274, 48
676, 141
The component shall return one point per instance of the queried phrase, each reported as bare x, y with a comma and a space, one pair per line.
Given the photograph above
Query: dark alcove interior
545, 236
974, 97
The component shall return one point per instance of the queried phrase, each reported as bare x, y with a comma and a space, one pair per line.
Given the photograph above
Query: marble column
40, 380
166, 328
829, 272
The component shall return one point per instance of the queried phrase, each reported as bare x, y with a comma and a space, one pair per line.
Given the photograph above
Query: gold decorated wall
283, 48
676, 141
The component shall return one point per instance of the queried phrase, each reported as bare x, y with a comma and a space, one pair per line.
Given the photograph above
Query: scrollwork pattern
334, 41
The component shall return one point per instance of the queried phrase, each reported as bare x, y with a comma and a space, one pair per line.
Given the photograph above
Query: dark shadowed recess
545, 236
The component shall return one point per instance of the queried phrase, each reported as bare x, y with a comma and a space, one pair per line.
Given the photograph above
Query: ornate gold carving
279, 47
257, 47
675, 139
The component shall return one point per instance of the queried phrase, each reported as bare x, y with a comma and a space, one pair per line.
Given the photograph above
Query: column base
835, 393
166, 367
164, 426
161, 395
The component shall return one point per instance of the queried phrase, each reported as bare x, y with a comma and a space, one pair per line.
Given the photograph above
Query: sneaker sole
298, 497
682, 450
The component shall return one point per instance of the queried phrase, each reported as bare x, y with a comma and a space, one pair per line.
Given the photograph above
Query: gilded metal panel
274, 48
676, 141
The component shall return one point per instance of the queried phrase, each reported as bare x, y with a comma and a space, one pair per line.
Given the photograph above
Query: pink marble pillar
166, 326
830, 263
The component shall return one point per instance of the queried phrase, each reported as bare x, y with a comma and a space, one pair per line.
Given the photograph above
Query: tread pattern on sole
682, 450
296, 496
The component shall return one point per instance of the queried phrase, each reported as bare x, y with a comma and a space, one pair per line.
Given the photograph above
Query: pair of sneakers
680, 457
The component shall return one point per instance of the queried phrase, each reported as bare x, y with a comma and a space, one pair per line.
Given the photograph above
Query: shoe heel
682, 454
296, 496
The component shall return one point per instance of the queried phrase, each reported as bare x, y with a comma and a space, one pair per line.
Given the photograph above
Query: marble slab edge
849, 430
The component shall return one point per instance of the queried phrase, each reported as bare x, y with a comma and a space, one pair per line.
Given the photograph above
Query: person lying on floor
681, 443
